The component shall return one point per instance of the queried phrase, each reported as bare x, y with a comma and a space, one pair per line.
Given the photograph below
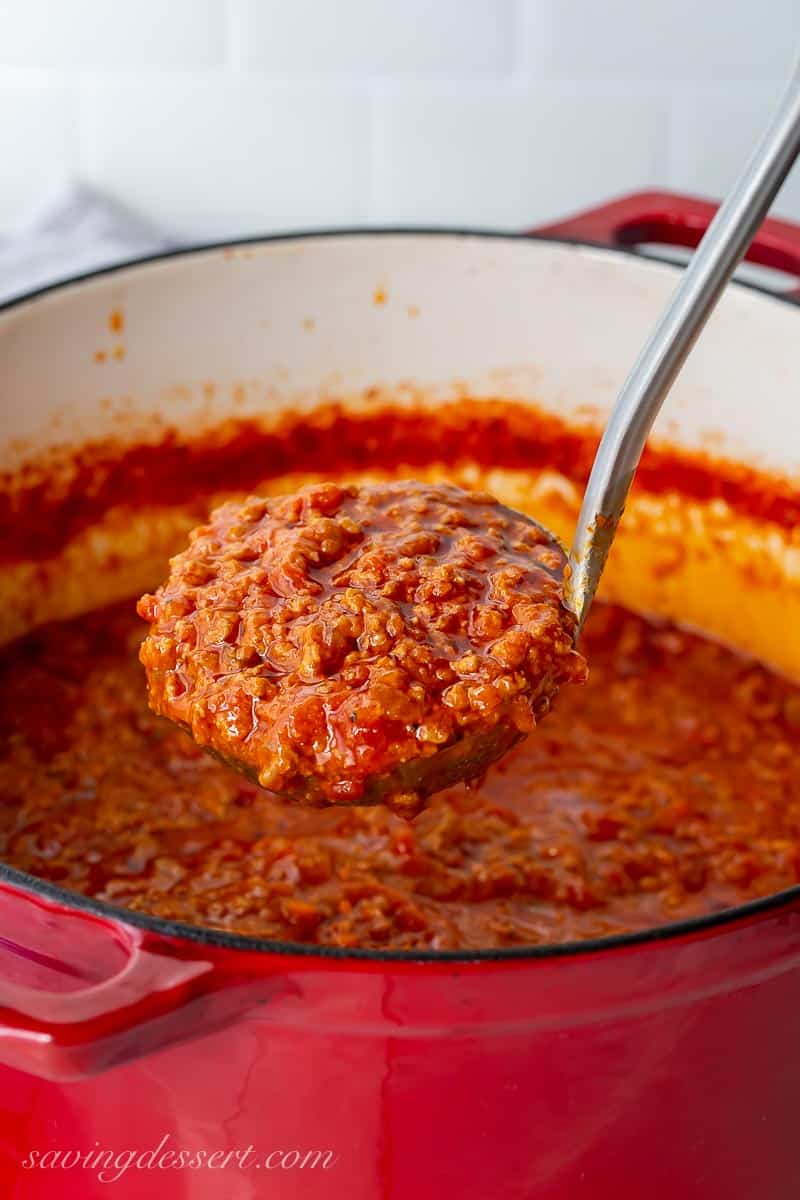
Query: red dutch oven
662, 1064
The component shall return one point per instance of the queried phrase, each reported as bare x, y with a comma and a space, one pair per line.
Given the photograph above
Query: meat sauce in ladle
377, 644
361, 644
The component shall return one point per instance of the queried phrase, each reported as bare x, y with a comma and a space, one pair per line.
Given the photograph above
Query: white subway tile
678, 39
465, 124
234, 158
112, 33
714, 132
511, 160
382, 37
38, 148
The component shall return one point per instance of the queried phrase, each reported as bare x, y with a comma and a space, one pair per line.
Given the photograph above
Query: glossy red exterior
671, 219
665, 1068
661, 1066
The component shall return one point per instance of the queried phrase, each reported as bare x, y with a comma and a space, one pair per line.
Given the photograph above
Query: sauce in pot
663, 789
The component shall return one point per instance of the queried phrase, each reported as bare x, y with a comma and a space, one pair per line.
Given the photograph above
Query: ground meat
354, 644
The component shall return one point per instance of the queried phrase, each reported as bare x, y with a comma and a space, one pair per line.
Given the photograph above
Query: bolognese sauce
357, 644
663, 789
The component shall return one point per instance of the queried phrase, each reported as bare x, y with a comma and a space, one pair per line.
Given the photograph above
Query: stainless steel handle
655, 370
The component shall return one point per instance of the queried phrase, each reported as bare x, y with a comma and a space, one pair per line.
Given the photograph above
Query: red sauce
50, 501
665, 788
360, 644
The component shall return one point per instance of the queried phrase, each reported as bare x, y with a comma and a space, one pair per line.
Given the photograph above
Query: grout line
236, 28
369, 163
233, 62
676, 123
520, 21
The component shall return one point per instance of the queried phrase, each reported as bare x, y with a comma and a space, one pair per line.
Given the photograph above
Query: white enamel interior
262, 326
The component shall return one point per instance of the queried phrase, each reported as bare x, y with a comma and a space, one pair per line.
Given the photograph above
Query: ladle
655, 370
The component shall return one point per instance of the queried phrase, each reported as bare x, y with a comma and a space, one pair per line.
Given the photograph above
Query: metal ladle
726, 241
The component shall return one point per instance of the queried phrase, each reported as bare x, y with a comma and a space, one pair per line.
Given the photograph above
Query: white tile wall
218, 116
74, 34
457, 38
671, 40
238, 157
714, 131
510, 158
39, 144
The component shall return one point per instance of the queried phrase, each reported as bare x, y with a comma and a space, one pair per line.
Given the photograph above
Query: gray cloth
85, 229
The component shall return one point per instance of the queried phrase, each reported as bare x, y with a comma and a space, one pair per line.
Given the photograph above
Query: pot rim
706, 924
363, 231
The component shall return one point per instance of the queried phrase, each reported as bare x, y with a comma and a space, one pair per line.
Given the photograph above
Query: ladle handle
644, 391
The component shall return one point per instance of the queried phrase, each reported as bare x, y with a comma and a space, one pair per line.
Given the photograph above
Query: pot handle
81, 991
672, 219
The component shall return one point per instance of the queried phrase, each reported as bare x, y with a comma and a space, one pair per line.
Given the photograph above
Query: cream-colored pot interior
187, 342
